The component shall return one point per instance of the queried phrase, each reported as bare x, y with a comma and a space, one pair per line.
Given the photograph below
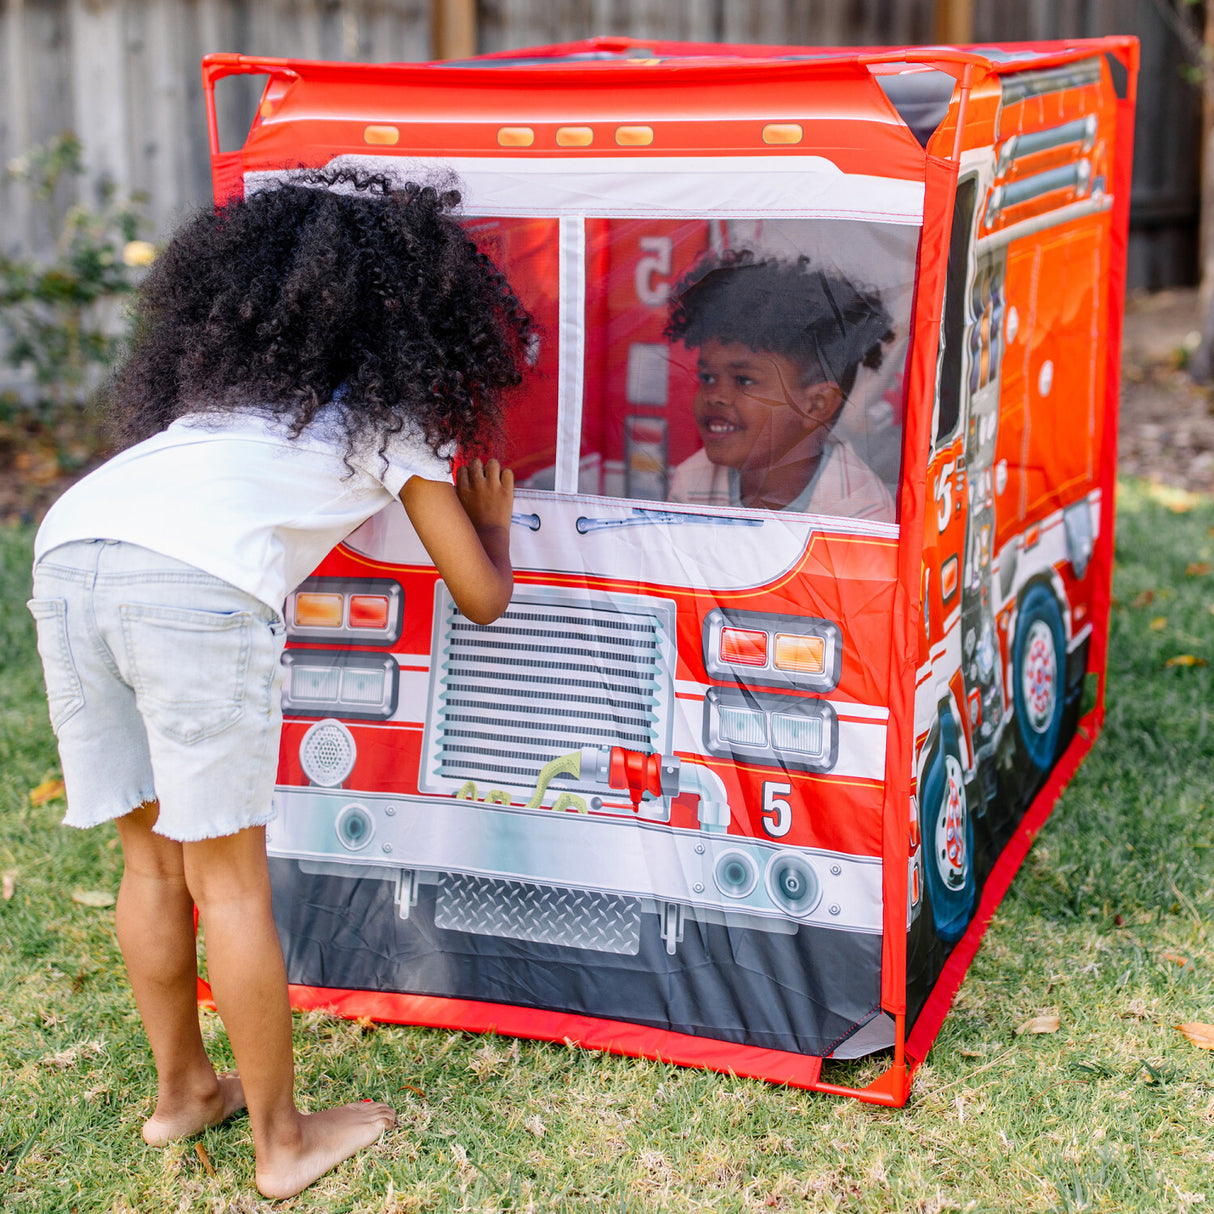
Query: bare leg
229, 879
155, 921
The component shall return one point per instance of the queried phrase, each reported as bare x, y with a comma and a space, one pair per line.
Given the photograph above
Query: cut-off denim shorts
163, 683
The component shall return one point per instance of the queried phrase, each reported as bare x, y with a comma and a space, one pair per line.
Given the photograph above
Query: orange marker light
384, 136
574, 137
516, 136
369, 611
948, 578
742, 647
634, 136
782, 132
805, 655
319, 610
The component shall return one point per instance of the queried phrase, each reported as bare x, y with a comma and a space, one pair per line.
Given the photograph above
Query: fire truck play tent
739, 778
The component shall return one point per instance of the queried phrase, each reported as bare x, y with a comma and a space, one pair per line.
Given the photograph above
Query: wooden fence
123, 74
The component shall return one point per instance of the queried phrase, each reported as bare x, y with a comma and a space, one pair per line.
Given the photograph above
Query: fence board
124, 75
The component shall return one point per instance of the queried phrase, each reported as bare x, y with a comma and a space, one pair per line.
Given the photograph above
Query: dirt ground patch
1167, 421
1166, 426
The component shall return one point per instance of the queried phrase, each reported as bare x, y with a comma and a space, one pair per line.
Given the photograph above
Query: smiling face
753, 412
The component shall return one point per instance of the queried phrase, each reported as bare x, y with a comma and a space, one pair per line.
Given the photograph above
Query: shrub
62, 323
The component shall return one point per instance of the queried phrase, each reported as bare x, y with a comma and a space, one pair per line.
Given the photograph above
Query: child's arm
466, 531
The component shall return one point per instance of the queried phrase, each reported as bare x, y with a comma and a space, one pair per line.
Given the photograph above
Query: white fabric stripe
688, 689
669, 186
572, 352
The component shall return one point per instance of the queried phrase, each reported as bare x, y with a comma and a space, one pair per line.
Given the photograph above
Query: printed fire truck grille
543, 681
606, 923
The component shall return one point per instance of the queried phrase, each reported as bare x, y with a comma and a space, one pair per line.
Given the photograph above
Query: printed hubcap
951, 857
1040, 676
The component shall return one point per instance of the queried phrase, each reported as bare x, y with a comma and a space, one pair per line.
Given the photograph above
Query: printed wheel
1038, 673
948, 837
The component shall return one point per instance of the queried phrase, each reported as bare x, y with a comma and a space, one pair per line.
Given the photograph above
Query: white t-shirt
235, 496
843, 484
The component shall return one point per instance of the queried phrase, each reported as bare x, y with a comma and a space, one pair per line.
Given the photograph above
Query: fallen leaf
1040, 1024
201, 1152
1145, 599
10, 885
535, 1125
93, 897
1159, 623
1186, 659
48, 790
1174, 958
1198, 569
1201, 1035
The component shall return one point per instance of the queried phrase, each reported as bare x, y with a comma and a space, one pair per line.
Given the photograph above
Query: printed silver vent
554, 674
515, 910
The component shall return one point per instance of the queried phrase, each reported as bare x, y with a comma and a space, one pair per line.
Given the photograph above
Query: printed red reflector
742, 647
369, 611
318, 610
805, 655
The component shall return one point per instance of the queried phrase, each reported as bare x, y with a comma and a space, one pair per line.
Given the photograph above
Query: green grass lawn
1107, 926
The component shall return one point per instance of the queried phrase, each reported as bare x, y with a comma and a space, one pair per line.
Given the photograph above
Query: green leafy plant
61, 316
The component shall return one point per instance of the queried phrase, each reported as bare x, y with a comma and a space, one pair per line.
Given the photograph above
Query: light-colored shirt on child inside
842, 485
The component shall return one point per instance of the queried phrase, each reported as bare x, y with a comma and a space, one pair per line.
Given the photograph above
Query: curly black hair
328, 279
817, 319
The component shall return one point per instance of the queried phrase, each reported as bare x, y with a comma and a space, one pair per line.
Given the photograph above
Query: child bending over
300, 358
779, 347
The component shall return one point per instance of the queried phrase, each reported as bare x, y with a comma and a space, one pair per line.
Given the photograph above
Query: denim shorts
163, 683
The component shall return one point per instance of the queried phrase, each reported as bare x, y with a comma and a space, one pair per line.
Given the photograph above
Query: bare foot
192, 1115
324, 1140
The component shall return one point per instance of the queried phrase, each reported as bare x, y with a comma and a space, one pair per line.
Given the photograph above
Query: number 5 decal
652, 268
777, 813
944, 496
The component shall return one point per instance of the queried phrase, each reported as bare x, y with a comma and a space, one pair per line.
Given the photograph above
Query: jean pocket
188, 667
64, 694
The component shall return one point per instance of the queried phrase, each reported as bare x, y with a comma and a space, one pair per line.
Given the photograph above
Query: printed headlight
781, 731
339, 683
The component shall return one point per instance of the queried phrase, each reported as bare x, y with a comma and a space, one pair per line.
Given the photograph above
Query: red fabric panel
227, 176
1114, 315
941, 181
631, 1040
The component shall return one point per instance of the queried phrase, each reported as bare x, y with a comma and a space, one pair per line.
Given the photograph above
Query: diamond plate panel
604, 923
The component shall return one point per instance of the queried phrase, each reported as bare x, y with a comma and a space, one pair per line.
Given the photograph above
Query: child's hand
486, 492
